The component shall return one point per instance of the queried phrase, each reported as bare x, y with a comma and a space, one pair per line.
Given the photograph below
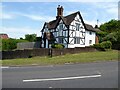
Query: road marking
67, 78
4, 67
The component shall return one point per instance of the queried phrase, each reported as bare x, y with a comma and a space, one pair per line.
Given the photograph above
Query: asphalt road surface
88, 75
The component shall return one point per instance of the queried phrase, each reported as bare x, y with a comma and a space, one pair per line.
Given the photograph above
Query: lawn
68, 58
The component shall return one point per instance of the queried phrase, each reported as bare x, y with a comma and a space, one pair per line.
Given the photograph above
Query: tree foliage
30, 37
103, 45
110, 31
111, 26
10, 44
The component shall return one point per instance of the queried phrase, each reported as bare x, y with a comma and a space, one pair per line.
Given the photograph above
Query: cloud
37, 17
109, 7
19, 32
6, 16
93, 22
30, 16
113, 11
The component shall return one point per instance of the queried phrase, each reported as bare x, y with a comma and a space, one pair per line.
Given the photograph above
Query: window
55, 34
90, 33
61, 26
77, 26
60, 40
60, 33
90, 41
64, 33
76, 40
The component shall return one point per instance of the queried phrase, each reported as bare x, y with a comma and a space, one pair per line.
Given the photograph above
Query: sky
20, 18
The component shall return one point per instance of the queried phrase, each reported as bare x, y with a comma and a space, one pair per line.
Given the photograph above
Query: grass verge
68, 58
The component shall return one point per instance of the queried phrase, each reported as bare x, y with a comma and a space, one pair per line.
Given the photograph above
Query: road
87, 75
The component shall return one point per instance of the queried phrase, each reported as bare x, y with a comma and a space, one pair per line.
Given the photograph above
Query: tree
30, 37
111, 26
110, 32
101, 35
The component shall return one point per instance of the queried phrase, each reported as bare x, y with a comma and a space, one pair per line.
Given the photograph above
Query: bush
106, 45
99, 47
56, 45
103, 46
10, 44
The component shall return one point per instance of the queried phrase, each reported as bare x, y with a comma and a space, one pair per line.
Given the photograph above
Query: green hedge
56, 45
103, 45
10, 44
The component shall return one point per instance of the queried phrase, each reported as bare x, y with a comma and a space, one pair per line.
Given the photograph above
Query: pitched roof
89, 27
67, 20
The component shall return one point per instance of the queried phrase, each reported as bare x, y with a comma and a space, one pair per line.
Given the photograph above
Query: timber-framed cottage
70, 30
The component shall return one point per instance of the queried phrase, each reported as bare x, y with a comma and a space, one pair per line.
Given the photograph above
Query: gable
67, 20
60, 25
77, 22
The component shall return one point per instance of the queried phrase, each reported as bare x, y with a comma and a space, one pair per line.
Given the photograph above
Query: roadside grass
68, 58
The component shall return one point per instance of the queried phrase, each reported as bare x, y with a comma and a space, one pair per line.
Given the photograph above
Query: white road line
4, 67
67, 78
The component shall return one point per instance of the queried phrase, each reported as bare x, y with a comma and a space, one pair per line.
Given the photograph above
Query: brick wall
42, 52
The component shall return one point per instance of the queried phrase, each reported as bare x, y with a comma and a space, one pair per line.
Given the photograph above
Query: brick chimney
59, 11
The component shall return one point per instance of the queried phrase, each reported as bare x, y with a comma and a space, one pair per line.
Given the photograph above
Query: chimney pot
59, 11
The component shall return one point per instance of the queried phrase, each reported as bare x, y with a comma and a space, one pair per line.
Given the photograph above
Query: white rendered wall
89, 37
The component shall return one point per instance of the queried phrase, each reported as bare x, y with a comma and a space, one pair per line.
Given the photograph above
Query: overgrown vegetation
30, 37
105, 45
10, 44
110, 31
68, 58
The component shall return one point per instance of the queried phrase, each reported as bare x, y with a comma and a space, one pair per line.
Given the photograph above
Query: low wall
56, 52
26, 53
24, 45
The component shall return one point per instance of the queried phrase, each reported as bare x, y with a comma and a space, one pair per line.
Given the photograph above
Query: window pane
60, 40
90, 41
90, 33
61, 26
77, 26
75, 40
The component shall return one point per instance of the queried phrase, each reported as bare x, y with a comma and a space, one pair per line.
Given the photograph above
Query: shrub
56, 45
106, 44
10, 44
103, 46
99, 47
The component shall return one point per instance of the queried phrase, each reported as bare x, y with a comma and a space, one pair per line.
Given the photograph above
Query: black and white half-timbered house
70, 30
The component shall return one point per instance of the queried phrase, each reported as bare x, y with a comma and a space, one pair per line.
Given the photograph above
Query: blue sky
20, 18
